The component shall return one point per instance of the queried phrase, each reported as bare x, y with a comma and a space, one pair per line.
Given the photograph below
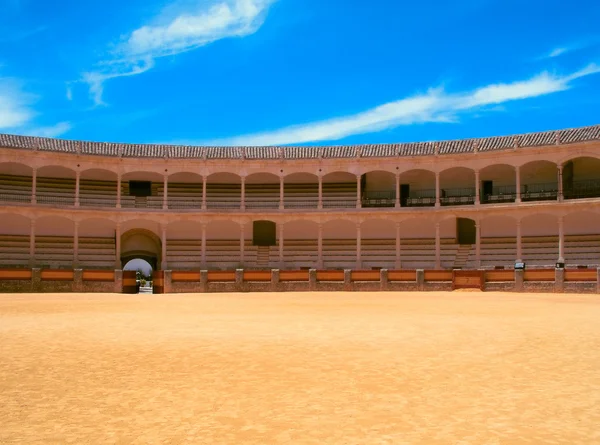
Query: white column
478, 243
518, 182
242, 244
204, 245
77, 181
203, 192
477, 187
32, 243
519, 242
438, 263
118, 265
398, 247
560, 183
33, 185
437, 189
281, 193
243, 195
320, 206
281, 245
166, 193
358, 247
76, 244
358, 192
320, 247
119, 191
397, 203
561, 239
163, 264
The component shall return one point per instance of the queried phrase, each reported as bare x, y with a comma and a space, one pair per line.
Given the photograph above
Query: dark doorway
140, 188
264, 233
465, 231
404, 194
567, 179
488, 190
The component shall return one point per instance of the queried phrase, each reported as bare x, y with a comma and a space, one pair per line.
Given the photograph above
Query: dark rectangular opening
264, 233
404, 194
465, 231
140, 188
487, 189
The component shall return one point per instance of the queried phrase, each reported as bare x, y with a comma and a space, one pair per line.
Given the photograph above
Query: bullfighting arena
338, 368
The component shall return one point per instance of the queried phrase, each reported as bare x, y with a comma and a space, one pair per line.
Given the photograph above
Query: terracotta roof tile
300, 152
495, 143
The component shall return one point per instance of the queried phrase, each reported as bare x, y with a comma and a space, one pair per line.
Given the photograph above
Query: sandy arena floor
352, 369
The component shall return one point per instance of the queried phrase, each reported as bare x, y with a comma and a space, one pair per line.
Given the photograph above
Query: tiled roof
547, 138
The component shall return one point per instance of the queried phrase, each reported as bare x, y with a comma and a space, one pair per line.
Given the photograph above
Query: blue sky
296, 72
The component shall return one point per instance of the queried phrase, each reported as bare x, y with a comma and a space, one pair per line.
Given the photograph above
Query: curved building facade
468, 204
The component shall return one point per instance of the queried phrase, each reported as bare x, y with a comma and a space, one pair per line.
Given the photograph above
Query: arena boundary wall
313, 280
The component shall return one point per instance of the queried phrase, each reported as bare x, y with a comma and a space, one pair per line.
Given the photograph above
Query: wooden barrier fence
293, 275
365, 275
402, 275
15, 274
330, 275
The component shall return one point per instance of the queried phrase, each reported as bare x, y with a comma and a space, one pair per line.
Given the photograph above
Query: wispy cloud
137, 51
436, 105
571, 47
17, 113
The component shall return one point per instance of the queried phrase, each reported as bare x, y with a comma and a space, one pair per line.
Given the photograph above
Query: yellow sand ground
338, 368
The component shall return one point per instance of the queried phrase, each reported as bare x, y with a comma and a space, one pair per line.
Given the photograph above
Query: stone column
77, 280
519, 278
118, 281
274, 280
518, 177
320, 247
203, 192
118, 265
281, 242
76, 245
560, 183
398, 247
243, 195
36, 280
477, 187
437, 189
561, 240
204, 245
358, 192
312, 280
33, 186
397, 202
478, 244
32, 243
358, 247
77, 181
438, 264
163, 263
320, 205
281, 193
203, 281
383, 279
242, 244
348, 285
559, 280
166, 193
168, 282
119, 191
420, 280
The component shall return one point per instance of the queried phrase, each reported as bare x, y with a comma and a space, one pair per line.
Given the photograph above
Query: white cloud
170, 35
17, 113
434, 106
557, 52
575, 46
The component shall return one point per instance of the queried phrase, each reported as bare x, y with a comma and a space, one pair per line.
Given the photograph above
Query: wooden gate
158, 282
468, 279
129, 282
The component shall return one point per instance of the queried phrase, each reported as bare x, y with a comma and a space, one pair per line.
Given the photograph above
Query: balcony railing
302, 204
5, 197
266, 204
457, 197
56, 199
419, 198
379, 199
583, 189
505, 193
539, 192
339, 203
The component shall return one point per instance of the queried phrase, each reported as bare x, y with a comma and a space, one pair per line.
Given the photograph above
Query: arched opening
379, 189
581, 178
498, 184
539, 181
142, 189
15, 182
262, 191
143, 276
14, 240
300, 246
339, 244
582, 239
143, 244
223, 191
498, 241
55, 185
184, 191
378, 243
301, 190
339, 190
98, 188
457, 186
417, 188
